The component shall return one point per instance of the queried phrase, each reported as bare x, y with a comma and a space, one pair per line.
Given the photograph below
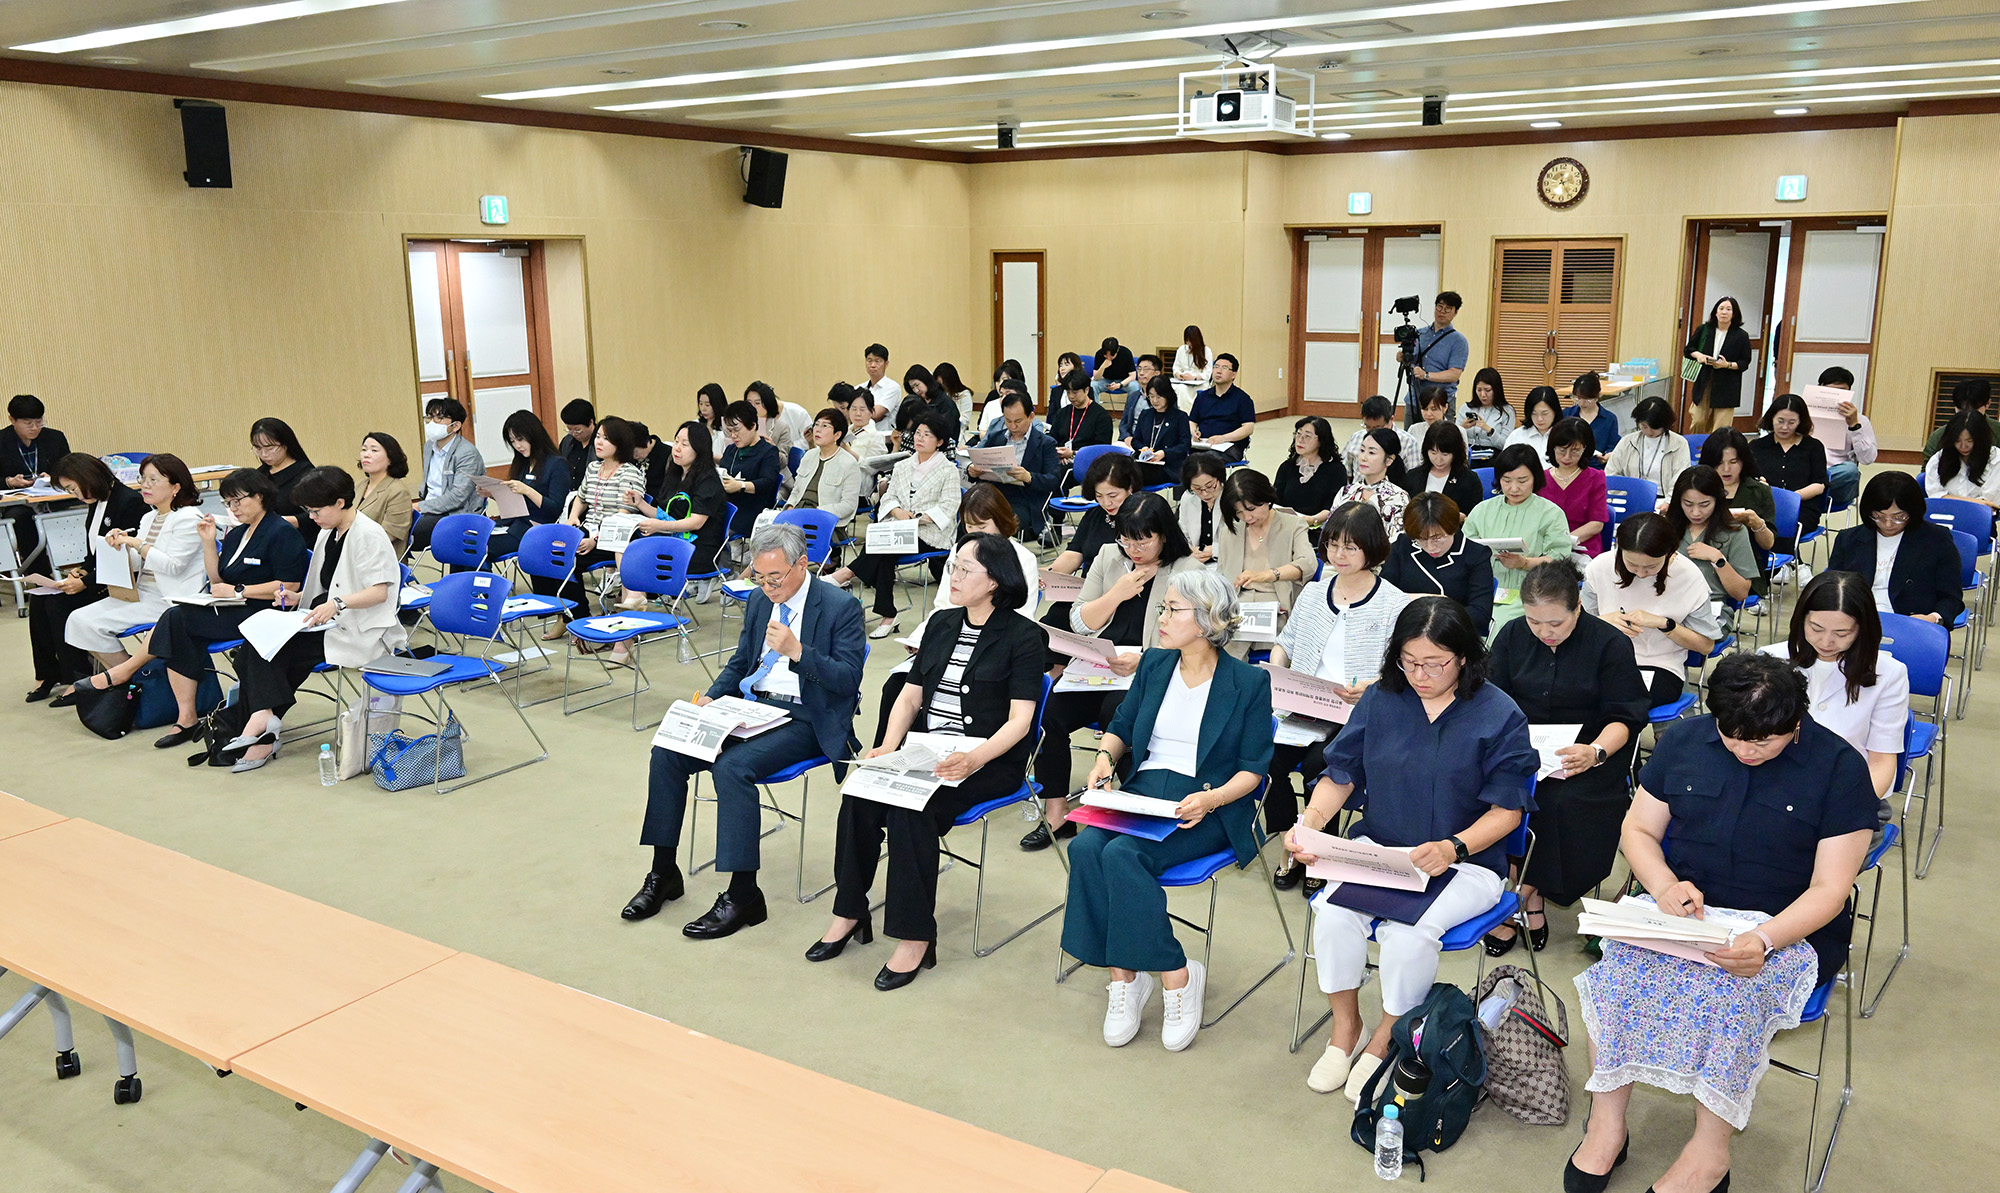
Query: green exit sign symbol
492, 209
1360, 202
1791, 188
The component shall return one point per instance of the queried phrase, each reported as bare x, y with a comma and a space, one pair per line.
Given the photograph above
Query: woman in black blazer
1446, 469
1924, 580
1160, 437
978, 674
111, 505
1722, 348
1432, 557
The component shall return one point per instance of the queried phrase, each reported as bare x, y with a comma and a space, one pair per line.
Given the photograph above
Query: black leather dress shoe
863, 932
180, 735
1042, 838
729, 916
890, 979
41, 691
1721, 1186
1576, 1180
656, 892
1289, 877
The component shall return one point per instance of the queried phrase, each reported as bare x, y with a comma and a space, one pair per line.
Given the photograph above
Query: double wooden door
480, 313
1555, 311
1344, 282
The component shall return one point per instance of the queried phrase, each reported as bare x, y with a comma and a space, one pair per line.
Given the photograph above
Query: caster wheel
67, 1065
127, 1090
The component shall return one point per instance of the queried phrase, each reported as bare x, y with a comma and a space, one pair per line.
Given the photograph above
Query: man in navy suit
802, 647
1037, 469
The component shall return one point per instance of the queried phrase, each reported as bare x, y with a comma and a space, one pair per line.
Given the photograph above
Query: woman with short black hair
924, 487
1576, 489
1445, 468
1377, 479
1541, 411
282, 459
1912, 565
1202, 476
388, 493
977, 674
165, 556
111, 506
1265, 551
1160, 436
1788, 457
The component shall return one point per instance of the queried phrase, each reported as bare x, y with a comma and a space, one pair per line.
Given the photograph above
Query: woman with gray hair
1194, 733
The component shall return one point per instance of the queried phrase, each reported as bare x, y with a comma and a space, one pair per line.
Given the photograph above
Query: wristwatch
1670, 627
1600, 753
1459, 845
339, 606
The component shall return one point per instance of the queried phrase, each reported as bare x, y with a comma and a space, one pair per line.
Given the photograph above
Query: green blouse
1541, 526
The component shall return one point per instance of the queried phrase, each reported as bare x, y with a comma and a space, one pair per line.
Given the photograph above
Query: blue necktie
769, 660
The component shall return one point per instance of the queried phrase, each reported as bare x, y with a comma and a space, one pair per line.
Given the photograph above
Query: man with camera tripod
1437, 358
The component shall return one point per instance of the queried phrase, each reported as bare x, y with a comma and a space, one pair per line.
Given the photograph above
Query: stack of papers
700, 731
506, 502
907, 777
614, 533
1307, 695
1126, 801
1639, 922
896, 536
1363, 862
1547, 739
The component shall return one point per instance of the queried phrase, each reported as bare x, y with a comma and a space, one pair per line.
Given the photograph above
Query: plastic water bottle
1389, 1144
329, 773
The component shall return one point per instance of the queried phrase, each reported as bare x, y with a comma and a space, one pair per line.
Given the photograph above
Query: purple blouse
1583, 501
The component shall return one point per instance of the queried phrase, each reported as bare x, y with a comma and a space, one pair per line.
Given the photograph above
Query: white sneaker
1183, 1008
704, 591
1128, 1000
1364, 1066
1329, 1072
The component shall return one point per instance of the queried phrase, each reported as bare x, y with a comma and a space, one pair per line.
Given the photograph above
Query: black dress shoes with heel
656, 892
42, 691
729, 916
1041, 838
890, 979
1721, 1186
1576, 1180
1538, 938
180, 735
863, 932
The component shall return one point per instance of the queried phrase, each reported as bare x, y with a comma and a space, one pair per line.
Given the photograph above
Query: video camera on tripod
1406, 333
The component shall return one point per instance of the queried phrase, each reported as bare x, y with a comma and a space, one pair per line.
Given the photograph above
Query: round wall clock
1563, 183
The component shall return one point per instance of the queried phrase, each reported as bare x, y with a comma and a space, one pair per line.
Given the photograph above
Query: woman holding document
1194, 732
1518, 512
1264, 550
1760, 825
1120, 604
1337, 633
162, 561
924, 487
1445, 760
978, 675
1565, 668
111, 506
351, 585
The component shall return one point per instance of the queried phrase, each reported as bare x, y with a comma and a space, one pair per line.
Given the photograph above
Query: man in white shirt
884, 393
1845, 432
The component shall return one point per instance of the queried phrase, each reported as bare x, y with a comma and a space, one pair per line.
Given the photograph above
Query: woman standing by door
1722, 348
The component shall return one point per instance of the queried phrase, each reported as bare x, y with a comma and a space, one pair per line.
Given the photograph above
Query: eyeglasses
1890, 518
1427, 670
239, 499
770, 579
1439, 539
1171, 610
965, 569
1131, 544
1206, 490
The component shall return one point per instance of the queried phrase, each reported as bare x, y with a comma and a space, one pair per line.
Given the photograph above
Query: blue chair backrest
818, 525
1485, 476
468, 604
656, 565
792, 461
1967, 517
1086, 456
1968, 559
1787, 503
1921, 646
549, 551
1517, 841
459, 540
1694, 445
729, 520
408, 575
1628, 495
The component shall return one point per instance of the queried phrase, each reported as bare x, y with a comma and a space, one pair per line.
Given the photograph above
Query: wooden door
1020, 315
1739, 260
480, 311
1344, 281
1830, 298
1555, 310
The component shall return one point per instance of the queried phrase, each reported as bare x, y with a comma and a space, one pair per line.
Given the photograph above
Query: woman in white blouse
1653, 451
1193, 363
1543, 411
1858, 690
165, 557
1964, 466
923, 487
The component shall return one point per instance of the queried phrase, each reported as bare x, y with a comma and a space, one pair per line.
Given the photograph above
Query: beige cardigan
1111, 564
390, 506
1287, 542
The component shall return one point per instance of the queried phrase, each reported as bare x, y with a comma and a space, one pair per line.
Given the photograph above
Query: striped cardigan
1370, 625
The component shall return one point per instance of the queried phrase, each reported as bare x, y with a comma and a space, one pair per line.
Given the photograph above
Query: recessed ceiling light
114, 60
1546, 124
615, 70
1121, 95
1336, 136
1163, 14
231, 18
1789, 111
725, 24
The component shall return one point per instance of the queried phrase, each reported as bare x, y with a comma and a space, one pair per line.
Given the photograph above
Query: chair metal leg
444, 708
1291, 944
1815, 1175
1301, 1035
1925, 855
1868, 950
979, 896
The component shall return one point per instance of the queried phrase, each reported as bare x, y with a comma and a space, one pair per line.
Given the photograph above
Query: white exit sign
492, 209
1360, 202
1791, 188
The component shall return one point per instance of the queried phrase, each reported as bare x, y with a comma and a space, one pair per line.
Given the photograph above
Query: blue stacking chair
655, 565
798, 770
1973, 582
1785, 525
1892, 837
978, 813
1977, 520
1208, 870
1625, 496
792, 459
819, 528
417, 603
1080, 465
921, 561
460, 540
547, 552
1485, 476
468, 605
728, 596
1694, 445
1462, 936
1924, 649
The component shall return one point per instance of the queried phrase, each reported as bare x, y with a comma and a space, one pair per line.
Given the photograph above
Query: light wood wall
152, 316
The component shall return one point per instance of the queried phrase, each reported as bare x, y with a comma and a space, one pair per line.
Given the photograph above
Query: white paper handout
1126, 801
267, 630
700, 731
114, 565
1637, 921
1260, 621
1498, 545
1295, 729
1080, 646
907, 776
1307, 695
617, 624
614, 533
1058, 587
506, 502
1089, 675
998, 459
1547, 739
1364, 862
895, 536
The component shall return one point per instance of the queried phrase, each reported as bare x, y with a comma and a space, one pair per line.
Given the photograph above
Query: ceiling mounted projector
1242, 101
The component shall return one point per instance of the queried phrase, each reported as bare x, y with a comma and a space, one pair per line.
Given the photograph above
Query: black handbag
109, 712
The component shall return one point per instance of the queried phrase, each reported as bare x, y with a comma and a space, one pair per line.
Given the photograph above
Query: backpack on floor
1524, 1055
1442, 1032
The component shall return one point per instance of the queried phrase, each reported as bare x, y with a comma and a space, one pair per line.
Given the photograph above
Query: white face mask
437, 432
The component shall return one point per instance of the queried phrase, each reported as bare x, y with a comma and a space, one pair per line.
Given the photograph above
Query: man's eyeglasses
770, 579
1427, 670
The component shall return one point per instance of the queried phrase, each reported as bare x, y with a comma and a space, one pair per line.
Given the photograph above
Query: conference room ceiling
943, 73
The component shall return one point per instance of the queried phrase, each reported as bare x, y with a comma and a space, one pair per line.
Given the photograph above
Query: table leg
362, 1166
423, 1174
127, 1088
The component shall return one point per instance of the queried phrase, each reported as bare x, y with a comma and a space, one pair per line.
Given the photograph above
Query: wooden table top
525, 1086
18, 816
1120, 1181
207, 961
1611, 388
202, 477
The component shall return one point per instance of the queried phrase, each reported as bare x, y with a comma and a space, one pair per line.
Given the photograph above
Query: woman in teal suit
1197, 724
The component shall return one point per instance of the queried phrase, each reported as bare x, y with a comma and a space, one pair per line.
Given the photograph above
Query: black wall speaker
1433, 110
1004, 135
205, 134
763, 177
